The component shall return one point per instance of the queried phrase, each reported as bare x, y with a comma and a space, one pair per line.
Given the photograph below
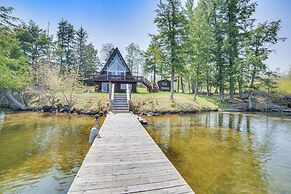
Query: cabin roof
111, 57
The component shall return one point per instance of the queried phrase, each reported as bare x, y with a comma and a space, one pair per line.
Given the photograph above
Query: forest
214, 47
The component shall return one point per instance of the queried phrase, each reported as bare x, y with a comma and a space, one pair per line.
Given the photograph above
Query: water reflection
228, 152
41, 153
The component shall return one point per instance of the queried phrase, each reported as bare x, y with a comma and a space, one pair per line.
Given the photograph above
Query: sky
122, 22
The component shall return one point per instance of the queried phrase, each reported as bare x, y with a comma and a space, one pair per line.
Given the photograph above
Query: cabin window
116, 66
123, 86
164, 83
105, 87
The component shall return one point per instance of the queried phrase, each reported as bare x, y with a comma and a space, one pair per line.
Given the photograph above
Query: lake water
40, 152
228, 152
214, 152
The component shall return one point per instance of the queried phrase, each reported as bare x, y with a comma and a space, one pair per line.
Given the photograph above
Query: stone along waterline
41, 152
228, 152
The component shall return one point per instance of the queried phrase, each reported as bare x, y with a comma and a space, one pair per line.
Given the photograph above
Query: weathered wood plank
127, 160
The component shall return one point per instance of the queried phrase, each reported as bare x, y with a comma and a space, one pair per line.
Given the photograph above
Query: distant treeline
29, 54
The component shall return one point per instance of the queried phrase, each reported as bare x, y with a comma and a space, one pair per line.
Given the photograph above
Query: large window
116, 65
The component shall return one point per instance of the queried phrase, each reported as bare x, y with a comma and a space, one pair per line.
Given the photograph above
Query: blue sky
122, 22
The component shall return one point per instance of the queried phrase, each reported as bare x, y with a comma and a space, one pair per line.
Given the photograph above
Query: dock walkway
127, 160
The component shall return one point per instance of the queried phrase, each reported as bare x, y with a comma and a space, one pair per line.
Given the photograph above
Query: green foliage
15, 73
33, 40
65, 45
258, 50
153, 58
86, 55
92, 62
170, 22
6, 19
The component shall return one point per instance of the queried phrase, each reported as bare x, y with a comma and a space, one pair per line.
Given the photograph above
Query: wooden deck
127, 160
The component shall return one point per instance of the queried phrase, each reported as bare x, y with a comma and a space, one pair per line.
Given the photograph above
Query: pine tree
199, 44
153, 57
238, 15
6, 19
92, 62
34, 42
170, 23
65, 45
81, 41
257, 52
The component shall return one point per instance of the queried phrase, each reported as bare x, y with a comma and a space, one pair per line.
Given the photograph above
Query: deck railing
126, 79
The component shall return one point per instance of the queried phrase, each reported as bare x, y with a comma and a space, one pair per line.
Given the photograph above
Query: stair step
120, 105
119, 101
120, 109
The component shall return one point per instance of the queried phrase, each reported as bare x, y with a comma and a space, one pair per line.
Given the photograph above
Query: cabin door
105, 87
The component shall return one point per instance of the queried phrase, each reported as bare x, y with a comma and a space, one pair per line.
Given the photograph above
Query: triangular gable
115, 55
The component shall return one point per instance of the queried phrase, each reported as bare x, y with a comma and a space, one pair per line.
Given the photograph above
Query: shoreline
75, 111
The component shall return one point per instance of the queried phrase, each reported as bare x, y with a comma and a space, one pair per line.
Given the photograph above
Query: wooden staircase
120, 103
151, 87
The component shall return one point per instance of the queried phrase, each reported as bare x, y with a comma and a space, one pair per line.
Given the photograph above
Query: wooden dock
127, 160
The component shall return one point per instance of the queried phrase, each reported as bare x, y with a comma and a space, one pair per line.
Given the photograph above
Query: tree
34, 42
6, 19
238, 15
81, 41
65, 45
199, 43
92, 62
170, 23
106, 51
153, 57
14, 70
134, 58
258, 50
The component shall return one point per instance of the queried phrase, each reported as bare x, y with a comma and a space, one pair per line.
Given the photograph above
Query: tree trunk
221, 92
189, 87
195, 89
207, 85
172, 84
182, 85
240, 87
250, 102
13, 102
154, 74
231, 88
178, 89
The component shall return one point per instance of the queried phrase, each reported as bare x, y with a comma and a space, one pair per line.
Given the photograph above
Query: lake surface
228, 152
41, 152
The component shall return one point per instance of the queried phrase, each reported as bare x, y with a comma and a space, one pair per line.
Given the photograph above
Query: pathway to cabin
127, 160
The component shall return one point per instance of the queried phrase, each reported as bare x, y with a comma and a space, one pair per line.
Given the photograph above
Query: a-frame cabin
116, 71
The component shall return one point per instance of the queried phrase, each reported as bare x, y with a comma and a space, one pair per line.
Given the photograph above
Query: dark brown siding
164, 85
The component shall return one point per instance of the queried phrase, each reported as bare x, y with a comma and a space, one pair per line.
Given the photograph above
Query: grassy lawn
284, 86
159, 102
144, 102
92, 102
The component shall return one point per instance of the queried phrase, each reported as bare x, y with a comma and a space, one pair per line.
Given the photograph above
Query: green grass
284, 86
143, 101
160, 102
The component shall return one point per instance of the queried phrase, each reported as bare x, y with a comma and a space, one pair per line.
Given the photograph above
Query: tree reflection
221, 153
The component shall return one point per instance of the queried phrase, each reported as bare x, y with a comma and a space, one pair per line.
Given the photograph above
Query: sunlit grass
284, 86
144, 101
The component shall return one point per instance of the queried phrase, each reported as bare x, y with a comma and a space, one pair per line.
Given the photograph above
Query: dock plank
126, 160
